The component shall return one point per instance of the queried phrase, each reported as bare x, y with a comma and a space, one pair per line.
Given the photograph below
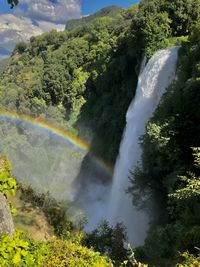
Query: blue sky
90, 6
4, 7
87, 6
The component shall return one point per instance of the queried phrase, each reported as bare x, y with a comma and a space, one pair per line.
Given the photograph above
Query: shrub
21, 251
7, 183
65, 253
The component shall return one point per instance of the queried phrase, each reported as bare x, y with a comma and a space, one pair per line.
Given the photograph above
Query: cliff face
6, 220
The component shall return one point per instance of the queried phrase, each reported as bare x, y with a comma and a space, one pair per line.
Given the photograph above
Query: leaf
17, 258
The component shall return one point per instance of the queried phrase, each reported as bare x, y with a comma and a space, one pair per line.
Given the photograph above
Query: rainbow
70, 137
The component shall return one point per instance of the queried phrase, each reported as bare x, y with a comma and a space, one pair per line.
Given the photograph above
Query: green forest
83, 80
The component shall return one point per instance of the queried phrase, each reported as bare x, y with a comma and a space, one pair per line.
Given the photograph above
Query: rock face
6, 220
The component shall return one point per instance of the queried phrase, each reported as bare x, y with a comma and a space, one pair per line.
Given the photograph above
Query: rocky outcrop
6, 220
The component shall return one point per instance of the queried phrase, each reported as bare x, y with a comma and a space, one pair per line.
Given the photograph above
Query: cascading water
154, 78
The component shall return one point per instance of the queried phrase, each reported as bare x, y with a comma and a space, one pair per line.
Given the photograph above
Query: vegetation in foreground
21, 250
68, 246
84, 75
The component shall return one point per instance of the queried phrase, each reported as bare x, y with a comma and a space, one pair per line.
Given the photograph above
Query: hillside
57, 73
114, 12
3, 64
83, 80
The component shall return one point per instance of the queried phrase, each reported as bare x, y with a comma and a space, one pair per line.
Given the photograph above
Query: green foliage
132, 260
21, 251
183, 14
191, 191
112, 11
66, 77
189, 260
157, 20
170, 164
65, 253
7, 183
20, 48
109, 241
156, 32
82, 78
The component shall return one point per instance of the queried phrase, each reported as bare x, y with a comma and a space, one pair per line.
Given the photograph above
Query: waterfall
154, 78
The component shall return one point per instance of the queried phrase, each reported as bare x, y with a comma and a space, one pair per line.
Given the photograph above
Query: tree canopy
84, 79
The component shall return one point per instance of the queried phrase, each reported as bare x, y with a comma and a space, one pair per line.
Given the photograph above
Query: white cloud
39, 16
20, 24
46, 26
58, 11
15, 29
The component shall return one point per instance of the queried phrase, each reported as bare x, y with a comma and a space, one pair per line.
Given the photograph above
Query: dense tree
108, 240
170, 163
182, 13
157, 20
85, 78
67, 70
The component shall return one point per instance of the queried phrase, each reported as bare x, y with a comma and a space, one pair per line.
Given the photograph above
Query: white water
154, 78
